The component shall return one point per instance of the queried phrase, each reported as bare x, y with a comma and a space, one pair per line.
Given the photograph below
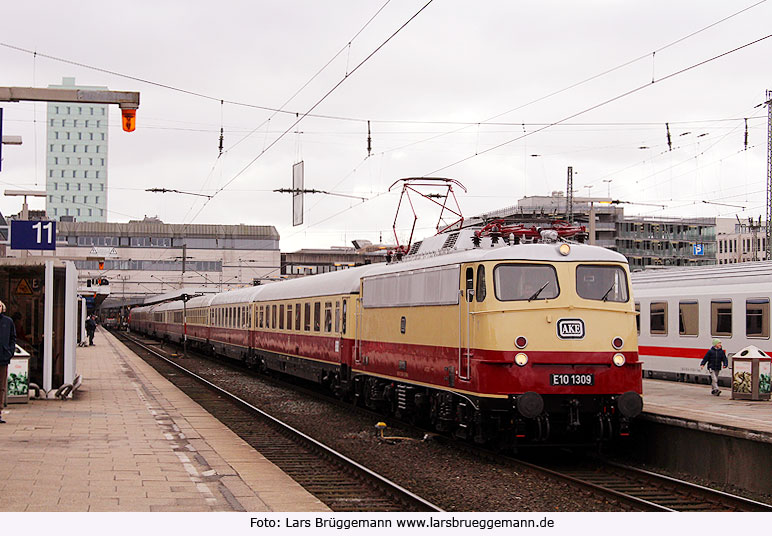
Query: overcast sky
428, 93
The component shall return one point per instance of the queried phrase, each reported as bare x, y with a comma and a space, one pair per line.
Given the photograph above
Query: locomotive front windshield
529, 282
604, 283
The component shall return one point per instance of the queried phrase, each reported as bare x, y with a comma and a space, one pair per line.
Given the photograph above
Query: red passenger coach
491, 340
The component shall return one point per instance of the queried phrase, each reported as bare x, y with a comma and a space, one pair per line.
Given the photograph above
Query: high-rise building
76, 163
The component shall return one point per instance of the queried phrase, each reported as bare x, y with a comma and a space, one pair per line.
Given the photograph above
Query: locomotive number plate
572, 379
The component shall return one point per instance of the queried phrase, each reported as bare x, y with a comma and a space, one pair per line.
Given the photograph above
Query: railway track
631, 488
648, 491
339, 482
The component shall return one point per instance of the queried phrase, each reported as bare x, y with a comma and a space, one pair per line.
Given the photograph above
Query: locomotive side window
344, 317
317, 315
721, 318
757, 318
469, 284
513, 282
281, 316
307, 317
688, 318
327, 317
297, 317
604, 283
481, 291
658, 318
638, 317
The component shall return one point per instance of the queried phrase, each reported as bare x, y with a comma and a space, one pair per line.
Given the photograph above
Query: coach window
721, 318
688, 318
281, 316
260, 317
343, 323
658, 318
469, 284
317, 315
273, 316
307, 317
757, 318
297, 317
638, 317
480, 296
337, 317
289, 316
327, 317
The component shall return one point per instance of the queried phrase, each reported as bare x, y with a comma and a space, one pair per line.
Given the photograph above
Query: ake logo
570, 328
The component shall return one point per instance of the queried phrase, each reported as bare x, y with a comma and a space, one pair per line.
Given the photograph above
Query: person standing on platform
7, 351
716, 359
90, 329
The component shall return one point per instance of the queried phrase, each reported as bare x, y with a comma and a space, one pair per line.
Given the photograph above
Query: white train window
281, 316
658, 318
297, 317
638, 318
327, 317
689, 318
721, 318
307, 317
757, 318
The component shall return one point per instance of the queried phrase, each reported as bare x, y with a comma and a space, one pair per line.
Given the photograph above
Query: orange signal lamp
128, 119
101, 265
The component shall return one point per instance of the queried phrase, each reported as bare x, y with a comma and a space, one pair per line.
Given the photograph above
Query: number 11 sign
38, 235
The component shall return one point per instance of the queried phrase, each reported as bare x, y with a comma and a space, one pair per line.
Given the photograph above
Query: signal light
128, 119
101, 265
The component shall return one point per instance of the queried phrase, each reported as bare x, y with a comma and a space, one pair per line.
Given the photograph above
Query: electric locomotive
519, 339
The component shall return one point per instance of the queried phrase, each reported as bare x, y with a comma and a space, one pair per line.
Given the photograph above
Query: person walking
90, 329
716, 359
7, 351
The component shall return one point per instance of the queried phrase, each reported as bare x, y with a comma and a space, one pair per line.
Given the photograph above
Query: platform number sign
37, 235
698, 250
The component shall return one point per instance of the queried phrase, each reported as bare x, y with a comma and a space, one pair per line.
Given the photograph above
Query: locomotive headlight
521, 359
564, 249
618, 359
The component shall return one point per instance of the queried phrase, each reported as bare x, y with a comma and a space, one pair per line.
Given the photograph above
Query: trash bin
751, 370
18, 378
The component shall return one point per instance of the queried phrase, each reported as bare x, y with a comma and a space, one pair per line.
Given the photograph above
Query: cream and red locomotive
488, 336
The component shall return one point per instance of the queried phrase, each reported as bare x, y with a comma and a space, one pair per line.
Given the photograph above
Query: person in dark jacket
90, 329
7, 351
716, 359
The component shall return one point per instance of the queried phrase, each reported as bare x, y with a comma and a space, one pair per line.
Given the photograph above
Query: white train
683, 309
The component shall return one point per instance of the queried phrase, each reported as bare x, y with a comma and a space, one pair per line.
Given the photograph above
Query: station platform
129, 440
692, 406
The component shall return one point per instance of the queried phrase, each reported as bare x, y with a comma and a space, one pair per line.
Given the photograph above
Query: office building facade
76, 158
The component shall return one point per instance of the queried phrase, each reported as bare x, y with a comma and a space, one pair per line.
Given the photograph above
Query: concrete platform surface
131, 441
719, 414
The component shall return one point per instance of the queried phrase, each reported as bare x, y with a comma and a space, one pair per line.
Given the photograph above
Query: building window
56, 135
97, 200
721, 318
50, 172
74, 121
67, 186
56, 186
658, 318
103, 136
688, 318
91, 110
78, 212
89, 212
102, 187
91, 136
68, 135
90, 187
55, 212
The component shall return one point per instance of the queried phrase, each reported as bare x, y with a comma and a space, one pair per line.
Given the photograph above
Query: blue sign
698, 249
39, 235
